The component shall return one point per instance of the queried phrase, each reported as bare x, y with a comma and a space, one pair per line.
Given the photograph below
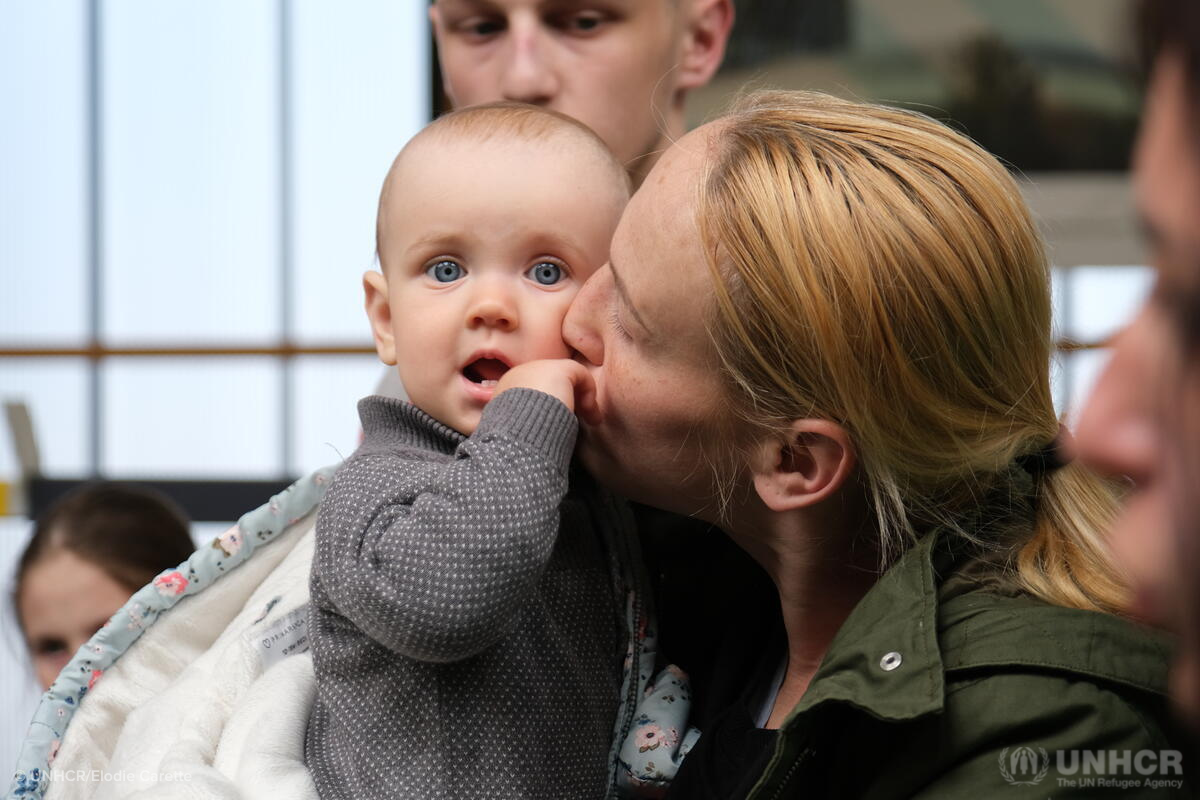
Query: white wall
195, 188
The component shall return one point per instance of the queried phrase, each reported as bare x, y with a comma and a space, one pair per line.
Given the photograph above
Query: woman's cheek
612, 389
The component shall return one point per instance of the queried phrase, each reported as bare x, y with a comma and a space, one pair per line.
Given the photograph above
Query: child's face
64, 600
484, 244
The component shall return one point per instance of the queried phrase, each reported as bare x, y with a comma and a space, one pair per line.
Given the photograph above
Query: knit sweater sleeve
434, 559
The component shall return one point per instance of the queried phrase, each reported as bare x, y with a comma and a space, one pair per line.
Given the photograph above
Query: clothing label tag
284, 637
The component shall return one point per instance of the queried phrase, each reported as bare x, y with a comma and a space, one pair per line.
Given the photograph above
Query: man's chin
1185, 687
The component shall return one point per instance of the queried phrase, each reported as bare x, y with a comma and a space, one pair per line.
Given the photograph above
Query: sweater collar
389, 422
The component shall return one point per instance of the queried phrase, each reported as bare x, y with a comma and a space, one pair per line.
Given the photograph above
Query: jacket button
890, 661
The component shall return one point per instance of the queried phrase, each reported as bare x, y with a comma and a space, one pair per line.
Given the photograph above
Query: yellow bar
5, 492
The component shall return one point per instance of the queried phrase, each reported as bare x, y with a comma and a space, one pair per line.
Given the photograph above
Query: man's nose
528, 73
580, 329
1116, 433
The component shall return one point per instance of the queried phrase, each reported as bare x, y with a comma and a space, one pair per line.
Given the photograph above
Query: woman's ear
813, 460
708, 26
379, 312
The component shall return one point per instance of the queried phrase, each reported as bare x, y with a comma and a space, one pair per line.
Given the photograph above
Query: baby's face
484, 244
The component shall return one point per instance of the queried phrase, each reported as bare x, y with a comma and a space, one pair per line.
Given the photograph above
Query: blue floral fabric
202, 569
660, 737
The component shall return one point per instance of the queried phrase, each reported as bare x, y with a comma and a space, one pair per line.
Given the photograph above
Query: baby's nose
493, 311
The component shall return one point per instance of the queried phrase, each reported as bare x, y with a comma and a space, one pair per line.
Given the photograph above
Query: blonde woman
826, 327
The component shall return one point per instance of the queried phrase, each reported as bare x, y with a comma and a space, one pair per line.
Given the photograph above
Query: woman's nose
580, 329
528, 73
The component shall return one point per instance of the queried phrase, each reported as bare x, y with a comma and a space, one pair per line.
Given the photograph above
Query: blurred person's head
89, 552
1143, 419
622, 67
490, 220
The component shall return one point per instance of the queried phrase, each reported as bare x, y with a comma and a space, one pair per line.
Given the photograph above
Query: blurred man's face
608, 63
1143, 420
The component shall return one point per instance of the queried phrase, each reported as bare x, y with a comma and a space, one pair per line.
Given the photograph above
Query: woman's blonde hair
876, 269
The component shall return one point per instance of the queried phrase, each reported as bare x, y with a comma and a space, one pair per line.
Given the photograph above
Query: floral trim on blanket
660, 739
204, 567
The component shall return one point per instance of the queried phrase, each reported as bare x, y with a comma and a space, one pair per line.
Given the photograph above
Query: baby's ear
379, 312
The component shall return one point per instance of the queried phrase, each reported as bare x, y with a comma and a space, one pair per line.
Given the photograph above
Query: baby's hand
563, 378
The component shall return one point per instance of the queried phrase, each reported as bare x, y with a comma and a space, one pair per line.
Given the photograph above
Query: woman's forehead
665, 203
657, 254
659, 221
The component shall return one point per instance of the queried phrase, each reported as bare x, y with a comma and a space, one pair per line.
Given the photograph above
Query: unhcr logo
1024, 766
1123, 769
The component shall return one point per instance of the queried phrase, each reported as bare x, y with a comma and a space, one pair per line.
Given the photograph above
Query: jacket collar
891, 655
885, 658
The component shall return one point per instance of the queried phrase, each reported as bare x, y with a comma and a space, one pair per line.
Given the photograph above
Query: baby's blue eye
445, 272
547, 273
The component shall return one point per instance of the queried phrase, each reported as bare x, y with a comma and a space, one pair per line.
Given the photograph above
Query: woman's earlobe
379, 312
806, 466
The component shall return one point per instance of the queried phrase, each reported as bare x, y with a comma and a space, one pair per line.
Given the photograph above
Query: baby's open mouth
485, 371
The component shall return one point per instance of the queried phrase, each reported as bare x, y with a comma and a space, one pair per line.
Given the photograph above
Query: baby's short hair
491, 120
516, 119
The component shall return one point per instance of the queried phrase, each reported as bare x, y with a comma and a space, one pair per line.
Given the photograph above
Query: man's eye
445, 272
481, 27
547, 273
586, 22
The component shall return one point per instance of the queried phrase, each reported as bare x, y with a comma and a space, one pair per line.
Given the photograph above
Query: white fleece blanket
200, 687
212, 698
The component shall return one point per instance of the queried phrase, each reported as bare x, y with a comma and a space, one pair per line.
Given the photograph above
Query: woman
858, 370
1143, 420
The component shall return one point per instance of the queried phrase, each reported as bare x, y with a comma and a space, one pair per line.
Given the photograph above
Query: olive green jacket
936, 687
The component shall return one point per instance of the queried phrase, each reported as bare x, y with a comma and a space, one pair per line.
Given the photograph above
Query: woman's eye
445, 272
547, 273
614, 320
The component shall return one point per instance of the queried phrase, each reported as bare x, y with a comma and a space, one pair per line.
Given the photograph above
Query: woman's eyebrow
624, 295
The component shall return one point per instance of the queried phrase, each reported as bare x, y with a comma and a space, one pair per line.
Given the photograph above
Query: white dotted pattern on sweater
467, 641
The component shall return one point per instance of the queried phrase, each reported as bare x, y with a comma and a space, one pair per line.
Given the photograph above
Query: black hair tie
1049, 458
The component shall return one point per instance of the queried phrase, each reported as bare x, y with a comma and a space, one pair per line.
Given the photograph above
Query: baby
469, 616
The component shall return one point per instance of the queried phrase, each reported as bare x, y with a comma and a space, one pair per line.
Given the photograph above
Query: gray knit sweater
467, 619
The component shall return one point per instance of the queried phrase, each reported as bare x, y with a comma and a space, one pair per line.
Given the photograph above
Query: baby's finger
586, 405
